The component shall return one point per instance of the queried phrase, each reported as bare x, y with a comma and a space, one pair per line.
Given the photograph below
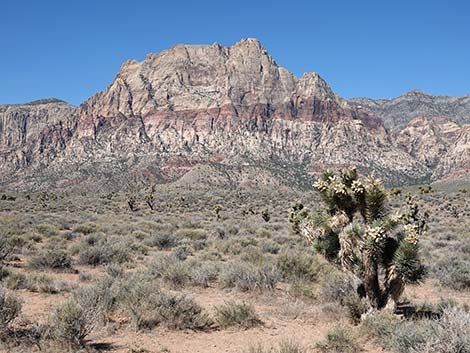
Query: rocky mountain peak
203, 108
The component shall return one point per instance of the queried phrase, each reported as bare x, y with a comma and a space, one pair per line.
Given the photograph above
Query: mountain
397, 112
432, 129
209, 114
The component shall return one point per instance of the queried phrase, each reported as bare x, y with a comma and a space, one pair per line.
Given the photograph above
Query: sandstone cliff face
199, 109
33, 133
456, 163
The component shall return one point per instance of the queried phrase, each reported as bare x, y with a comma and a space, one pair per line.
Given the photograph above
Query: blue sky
71, 49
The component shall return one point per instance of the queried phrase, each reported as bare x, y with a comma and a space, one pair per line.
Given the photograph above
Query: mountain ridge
196, 105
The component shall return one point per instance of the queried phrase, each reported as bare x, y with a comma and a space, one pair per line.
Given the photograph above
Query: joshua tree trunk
371, 282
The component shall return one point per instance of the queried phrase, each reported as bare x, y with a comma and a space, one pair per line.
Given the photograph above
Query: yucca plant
356, 232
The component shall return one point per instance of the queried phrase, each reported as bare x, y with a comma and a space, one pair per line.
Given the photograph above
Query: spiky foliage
356, 232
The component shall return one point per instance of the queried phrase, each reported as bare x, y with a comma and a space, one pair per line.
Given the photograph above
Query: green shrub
148, 306
338, 341
299, 265
171, 270
453, 272
10, 307
101, 297
179, 312
139, 297
247, 277
85, 228
162, 241
203, 273
70, 323
51, 259
48, 230
236, 314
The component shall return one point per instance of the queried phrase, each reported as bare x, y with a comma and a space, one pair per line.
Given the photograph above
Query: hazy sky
70, 49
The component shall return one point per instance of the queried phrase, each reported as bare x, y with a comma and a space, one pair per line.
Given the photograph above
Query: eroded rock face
33, 133
209, 105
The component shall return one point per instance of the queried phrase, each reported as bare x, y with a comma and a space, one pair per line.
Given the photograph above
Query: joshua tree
217, 209
131, 202
265, 215
357, 233
150, 199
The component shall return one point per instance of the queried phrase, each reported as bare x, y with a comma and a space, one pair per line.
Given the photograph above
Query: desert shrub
453, 333
171, 270
299, 265
51, 259
10, 307
245, 277
139, 297
105, 253
453, 272
148, 306
114, 270
338, 341
181, 252
15, 280
355, 306
449, 334
193, 234
48, 230
236, 314
285, 346
301, 289
180, 312
271, 247
336, 287
203, 273
95, 255
253, 255
101, 297
177, 274
162, 241
71, 322
85, 228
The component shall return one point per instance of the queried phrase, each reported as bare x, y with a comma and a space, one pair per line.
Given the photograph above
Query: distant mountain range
215, 115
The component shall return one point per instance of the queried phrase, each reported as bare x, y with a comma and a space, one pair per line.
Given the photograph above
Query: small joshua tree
131, 202
150, 198
265, 215
217, 209
357, 233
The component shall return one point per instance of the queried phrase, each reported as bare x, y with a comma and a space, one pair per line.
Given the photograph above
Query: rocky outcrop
456, 162
194, 109
33, 133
